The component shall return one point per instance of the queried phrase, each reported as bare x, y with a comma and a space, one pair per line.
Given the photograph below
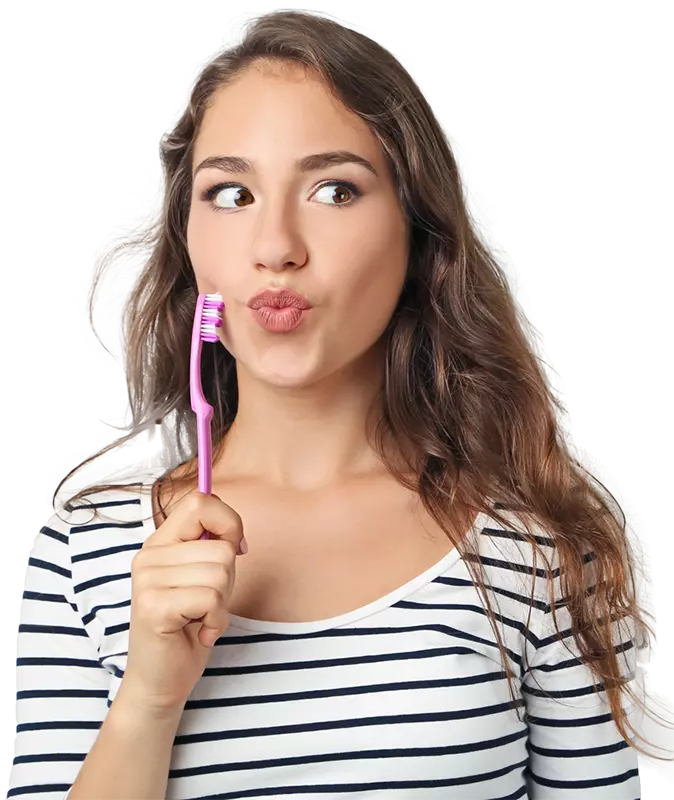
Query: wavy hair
462, 383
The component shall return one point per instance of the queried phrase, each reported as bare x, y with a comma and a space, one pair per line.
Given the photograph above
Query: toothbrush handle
204, 455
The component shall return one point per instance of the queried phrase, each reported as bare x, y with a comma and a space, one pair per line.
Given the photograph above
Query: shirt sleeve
62, 688
574, 743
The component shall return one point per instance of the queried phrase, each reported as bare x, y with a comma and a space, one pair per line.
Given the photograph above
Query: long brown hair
463, 382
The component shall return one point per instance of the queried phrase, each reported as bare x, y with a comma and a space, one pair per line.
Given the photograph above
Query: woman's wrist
136, 706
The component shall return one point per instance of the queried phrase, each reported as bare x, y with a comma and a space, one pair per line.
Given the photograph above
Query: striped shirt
405, 697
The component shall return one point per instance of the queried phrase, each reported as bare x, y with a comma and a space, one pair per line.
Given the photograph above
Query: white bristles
210, 311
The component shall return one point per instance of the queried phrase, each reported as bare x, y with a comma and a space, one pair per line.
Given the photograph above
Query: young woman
412, 588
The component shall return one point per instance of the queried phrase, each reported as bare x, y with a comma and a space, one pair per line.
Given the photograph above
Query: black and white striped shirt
405, 697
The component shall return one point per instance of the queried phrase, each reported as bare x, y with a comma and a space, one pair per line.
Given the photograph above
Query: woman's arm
69, 742
574, 745
131, 756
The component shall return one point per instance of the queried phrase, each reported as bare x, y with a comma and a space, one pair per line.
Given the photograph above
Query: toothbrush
207, 317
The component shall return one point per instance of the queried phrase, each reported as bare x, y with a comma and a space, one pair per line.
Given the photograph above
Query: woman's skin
316, 502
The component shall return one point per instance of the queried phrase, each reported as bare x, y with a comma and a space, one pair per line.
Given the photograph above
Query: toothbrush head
211, 317
207, 319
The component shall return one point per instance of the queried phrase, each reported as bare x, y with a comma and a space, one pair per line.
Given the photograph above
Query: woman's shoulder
518, 553
116, 505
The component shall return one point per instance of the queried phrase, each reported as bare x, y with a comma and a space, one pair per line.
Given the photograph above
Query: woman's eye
335, 190
226, 192
232, 195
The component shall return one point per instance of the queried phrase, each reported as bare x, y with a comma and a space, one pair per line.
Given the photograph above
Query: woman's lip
279, 320
279, 298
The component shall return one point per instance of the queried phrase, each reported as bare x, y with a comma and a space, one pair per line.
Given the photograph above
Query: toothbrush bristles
211, 317
214, 300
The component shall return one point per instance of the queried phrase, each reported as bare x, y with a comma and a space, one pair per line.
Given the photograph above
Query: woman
418, 532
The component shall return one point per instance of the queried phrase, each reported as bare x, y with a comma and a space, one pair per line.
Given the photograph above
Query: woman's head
462, 382
345, 249
375, 268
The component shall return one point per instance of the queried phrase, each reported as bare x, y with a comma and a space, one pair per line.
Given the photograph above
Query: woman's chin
285, 381
283, 374
276, 383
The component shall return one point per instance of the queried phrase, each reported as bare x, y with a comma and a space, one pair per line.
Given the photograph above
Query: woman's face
283, 227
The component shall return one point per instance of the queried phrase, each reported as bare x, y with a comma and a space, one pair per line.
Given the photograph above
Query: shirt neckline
380, 604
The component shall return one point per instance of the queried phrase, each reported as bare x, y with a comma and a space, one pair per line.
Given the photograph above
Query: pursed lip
279, 298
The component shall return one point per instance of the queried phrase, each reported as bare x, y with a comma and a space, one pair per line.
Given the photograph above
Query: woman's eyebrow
308, 163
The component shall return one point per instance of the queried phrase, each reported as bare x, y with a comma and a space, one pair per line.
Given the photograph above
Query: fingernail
243, 545
212, 638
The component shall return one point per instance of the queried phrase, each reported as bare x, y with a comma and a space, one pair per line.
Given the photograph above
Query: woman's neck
305, 437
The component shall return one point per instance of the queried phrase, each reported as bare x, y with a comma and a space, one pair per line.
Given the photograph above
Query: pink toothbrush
207, 317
